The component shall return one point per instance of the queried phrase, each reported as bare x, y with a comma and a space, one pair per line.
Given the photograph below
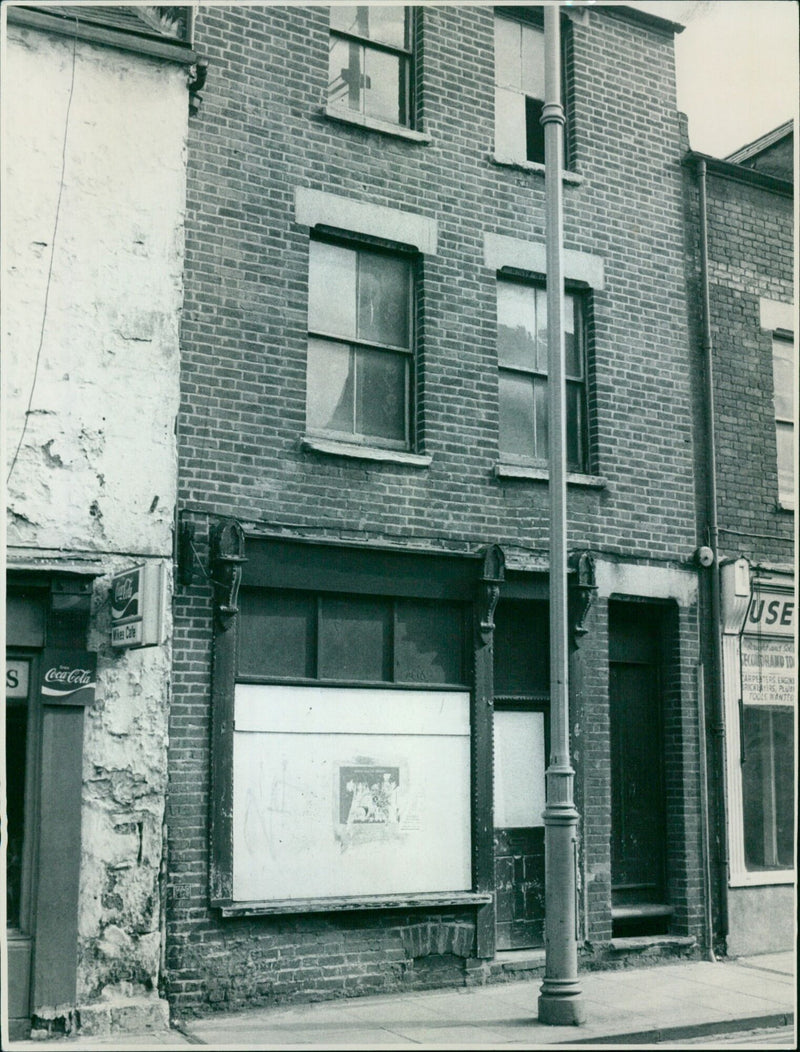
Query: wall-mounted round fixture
704, 555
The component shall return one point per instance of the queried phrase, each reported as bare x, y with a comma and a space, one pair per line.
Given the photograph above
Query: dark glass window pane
575, 431
383, 299
331, 290
355, 639
346, 78
381, 387
521, 648
768, 786
534, 130
330, 386
277, 634
517, 429
429, 644
16, 749
785, 766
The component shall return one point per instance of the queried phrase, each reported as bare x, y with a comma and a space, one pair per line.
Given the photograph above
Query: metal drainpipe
718, 726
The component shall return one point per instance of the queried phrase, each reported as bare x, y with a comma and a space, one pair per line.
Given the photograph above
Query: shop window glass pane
768, 786
277, 634
521, 648
381, 387
331, 290
383, 299
429, 644
517, 330
355, 639
330, 383
517, 425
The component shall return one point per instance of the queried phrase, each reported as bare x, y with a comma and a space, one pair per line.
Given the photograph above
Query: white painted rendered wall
96, 470
92, 285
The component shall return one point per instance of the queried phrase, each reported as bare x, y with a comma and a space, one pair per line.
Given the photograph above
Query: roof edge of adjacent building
763, 142
646, 18
141, 38
740, 174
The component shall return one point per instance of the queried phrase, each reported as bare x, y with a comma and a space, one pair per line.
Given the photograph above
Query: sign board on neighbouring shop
17, 676
69, 677
137, 606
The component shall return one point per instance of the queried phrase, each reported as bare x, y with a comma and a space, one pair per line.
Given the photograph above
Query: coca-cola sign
69, 677
126, 595
137, 606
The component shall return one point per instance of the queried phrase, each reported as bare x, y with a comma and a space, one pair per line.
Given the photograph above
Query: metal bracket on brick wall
582, 591
226, 543
492, 576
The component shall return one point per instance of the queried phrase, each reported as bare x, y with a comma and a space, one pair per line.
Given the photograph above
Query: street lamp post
560, 1000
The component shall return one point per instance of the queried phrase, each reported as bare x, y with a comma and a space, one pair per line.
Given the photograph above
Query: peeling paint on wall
93, 281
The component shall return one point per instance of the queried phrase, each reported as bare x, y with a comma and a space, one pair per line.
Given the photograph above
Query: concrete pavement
640, 1006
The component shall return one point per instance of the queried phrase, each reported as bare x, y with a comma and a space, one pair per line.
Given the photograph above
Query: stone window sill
373, 124
762, 878
356, 452
366, 902
533, 166
540, 474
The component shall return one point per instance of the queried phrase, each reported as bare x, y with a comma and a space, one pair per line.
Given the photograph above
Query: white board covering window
346, 791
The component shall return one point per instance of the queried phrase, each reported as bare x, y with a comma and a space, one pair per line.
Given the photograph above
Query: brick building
92, 293
357, 738
741, 215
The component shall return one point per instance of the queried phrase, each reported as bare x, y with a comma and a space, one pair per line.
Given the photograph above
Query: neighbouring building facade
95, 109
359, 716
742, 208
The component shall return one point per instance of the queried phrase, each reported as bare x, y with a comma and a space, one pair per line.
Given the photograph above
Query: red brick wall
259, 135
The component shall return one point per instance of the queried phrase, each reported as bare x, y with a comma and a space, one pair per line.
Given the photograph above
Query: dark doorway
638, 806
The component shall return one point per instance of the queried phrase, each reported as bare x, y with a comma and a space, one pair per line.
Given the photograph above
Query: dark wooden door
21, 727
638, 853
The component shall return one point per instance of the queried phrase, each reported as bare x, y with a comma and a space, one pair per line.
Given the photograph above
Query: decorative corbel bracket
226, 554
582, 591
492, 575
